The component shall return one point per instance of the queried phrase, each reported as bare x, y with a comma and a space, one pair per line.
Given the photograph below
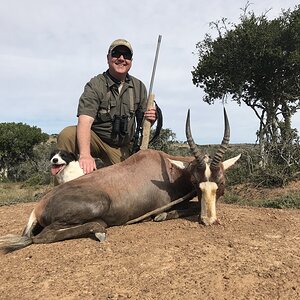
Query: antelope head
208, 175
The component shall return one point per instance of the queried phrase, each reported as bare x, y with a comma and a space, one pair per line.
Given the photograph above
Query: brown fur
108, 196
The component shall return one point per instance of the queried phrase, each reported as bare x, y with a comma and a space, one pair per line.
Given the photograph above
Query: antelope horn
222, 149
193, 146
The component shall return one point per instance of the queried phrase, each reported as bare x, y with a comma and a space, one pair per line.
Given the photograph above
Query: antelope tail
11, 242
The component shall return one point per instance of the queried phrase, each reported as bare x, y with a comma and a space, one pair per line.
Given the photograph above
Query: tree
164, 141
17, 141
256, 62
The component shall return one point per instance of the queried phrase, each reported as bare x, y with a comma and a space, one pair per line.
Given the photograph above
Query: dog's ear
53, 152
74, 156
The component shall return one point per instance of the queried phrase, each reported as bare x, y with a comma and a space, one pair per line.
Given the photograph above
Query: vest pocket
103, 112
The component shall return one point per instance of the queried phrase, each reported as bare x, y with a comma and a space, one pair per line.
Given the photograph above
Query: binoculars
120, 125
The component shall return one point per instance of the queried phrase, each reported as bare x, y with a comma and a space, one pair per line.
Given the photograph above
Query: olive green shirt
102, 101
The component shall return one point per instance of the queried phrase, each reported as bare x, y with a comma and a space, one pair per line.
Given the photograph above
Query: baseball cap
120, 42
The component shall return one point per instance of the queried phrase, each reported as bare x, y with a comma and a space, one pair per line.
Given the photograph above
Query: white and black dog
65, 166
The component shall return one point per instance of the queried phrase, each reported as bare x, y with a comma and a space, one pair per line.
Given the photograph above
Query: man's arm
86, 161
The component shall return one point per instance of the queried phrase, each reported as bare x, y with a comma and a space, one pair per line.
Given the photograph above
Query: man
106, 112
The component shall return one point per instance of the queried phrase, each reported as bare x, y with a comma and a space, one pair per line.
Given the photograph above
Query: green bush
37, 169
230, 198
17, 142
290, 201
40, 178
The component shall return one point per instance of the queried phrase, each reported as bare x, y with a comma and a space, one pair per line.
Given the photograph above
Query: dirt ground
253, 254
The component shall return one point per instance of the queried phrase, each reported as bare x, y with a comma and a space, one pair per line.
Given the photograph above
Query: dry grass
276, 197
12, 193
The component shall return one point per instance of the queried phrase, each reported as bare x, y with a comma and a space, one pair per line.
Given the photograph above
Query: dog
65, 165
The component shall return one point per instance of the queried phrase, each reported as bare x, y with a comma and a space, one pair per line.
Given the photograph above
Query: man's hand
150, 115
87, 163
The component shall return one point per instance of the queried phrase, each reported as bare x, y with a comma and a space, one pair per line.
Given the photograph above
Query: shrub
289, 201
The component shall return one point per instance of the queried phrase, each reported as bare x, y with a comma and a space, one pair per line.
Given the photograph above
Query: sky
50, 49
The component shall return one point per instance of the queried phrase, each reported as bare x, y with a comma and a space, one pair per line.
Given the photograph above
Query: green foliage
17, 141
256, 62
239, 172
289, 201
165, 140
231, 198
250, 60
283, 165
36, 170
40, 178
282, 202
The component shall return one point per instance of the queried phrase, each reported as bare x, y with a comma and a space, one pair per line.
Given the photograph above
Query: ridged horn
193, 146
223, 147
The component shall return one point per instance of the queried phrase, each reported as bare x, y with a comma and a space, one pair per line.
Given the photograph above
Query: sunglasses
118, 53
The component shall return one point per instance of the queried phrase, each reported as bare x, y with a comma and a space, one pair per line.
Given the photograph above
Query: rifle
139, 128
150, 102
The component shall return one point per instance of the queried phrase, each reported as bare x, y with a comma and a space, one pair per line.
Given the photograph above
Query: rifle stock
147, 125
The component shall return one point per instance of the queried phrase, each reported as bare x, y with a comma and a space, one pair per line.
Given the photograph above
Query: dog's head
59, 159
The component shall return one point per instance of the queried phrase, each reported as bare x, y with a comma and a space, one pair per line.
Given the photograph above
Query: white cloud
49, 49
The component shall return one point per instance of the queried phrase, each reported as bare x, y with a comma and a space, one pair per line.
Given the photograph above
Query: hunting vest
113, 105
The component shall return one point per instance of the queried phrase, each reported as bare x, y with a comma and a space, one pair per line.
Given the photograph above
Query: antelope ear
179, 164
230, 162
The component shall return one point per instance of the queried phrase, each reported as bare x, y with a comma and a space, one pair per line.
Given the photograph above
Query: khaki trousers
67, 140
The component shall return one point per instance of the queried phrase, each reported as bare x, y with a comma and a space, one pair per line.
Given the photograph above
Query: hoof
101, 236
209, 221
217, 222
161, 217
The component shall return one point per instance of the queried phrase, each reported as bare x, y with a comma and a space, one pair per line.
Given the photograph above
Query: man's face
119, 62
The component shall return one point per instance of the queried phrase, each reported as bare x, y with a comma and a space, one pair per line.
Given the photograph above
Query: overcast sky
49, 49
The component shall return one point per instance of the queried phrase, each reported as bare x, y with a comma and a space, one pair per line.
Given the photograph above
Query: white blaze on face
207, 172
208, 202
58, 160
57, 164
208, 189
209, 193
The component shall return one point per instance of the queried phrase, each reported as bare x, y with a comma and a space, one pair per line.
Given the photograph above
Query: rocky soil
253, 254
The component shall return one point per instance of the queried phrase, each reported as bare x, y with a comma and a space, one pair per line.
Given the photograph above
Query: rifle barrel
154, 65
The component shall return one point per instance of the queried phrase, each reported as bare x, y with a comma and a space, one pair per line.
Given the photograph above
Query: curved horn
193, 146
222, 149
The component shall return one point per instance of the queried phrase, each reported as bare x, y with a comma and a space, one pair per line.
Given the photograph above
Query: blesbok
119, 193
208, 176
